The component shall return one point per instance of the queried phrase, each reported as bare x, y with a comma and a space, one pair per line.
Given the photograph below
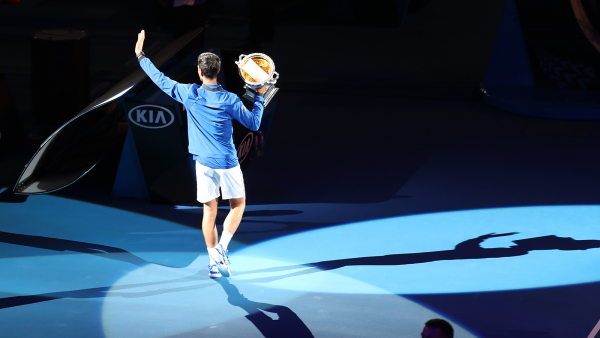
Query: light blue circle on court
420, 243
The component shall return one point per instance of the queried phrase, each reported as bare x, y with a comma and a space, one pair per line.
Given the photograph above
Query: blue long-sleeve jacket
210, 112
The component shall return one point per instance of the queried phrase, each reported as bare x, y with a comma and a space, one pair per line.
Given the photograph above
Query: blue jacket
210, 113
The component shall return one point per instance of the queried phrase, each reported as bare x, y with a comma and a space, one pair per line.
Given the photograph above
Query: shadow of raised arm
475, 243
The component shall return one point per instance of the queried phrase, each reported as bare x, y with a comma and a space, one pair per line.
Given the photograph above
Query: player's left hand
139, 46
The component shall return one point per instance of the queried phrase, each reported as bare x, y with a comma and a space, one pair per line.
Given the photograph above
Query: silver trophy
258, 70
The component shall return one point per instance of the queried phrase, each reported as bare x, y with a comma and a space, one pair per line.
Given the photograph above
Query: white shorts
208, 182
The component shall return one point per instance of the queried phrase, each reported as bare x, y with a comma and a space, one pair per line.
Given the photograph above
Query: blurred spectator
182, 16
437, 328
262, 23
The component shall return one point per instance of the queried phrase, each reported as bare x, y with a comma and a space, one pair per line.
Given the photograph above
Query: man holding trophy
210, 112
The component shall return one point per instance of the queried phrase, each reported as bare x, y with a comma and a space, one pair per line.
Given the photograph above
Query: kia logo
151, 116
245, 146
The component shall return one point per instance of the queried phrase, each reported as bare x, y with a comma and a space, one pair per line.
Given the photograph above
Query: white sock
225, 239
212, 252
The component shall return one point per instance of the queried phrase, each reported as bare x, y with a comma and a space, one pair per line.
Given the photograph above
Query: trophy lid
253, 72
257, 69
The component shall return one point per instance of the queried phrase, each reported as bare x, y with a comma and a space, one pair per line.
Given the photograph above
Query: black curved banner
78, 145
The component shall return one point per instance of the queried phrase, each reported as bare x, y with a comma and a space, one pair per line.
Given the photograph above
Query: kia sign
245, 146
151, 116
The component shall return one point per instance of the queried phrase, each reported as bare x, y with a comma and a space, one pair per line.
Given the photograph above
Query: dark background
342, 63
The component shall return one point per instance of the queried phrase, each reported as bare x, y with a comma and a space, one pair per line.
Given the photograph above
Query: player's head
209, 64
437, 328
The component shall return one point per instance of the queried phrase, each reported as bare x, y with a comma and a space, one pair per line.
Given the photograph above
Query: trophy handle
239, 61
275, 76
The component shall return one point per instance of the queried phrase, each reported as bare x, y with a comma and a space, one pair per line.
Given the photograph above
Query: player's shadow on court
288, 324
469, 249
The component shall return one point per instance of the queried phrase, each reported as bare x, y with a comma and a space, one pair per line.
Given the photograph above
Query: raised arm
249, 119
172, 88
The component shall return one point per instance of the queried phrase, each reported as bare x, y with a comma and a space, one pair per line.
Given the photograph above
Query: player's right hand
139, 46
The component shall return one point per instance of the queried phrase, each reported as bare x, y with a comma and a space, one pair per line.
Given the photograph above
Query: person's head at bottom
437, 328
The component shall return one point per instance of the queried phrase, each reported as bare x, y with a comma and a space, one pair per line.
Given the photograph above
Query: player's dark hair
210, 64
443, 325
